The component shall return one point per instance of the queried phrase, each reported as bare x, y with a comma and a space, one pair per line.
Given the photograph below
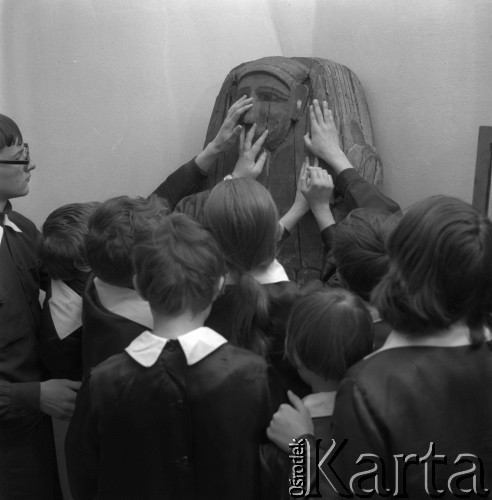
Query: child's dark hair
63, 240
440, 269
359, 249
243, 217
10, 134
178, 265
112, 230
328, 331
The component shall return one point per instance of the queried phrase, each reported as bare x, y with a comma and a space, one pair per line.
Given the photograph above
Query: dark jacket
281, 296
423, 401
170, 431
22, 276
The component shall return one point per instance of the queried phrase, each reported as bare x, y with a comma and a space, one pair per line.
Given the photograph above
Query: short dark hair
9, 133
178, 265
360, 251
440, 269
63, 240
328, 331
112, 230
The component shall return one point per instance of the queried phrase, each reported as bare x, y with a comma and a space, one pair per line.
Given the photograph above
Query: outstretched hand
290, 422
248, 165
227, 135
317, 186
300, 199
323, 140
58, 397
230, 130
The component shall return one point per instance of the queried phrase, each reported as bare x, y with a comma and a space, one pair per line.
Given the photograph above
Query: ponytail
250, 315
243, 217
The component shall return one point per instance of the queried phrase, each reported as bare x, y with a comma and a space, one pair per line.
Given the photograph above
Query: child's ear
134, 281
220, 287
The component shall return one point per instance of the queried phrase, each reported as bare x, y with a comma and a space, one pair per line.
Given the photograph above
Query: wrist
299, 208
292, 217
213, 148
339, 163
324, 217
205, 159
320, 207
240, 171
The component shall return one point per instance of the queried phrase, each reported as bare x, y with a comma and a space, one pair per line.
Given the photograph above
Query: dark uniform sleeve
187, 179
357, 433
82, 448
20, 279
18, 399
358, 193
44, 278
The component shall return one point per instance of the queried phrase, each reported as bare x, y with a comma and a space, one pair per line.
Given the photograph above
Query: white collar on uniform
376, 318
196, 345
457, 335
124, 302
320, 404
7, 222
65, 308
272, 274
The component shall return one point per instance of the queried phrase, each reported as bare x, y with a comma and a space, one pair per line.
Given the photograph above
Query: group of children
190, 340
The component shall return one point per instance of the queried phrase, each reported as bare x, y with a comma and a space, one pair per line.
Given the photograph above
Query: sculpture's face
273, 105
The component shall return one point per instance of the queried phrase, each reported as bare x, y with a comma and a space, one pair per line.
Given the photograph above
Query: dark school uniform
427, 398
27, 456
61, 329
356, 192
107, 330
112, 317
171, 419
281, 296
277, 466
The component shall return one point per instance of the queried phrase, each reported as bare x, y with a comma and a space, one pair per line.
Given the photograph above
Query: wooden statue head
282, 88
279, 96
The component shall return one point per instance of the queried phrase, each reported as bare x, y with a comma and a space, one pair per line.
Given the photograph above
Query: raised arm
227, 136
324, 143
190, 177
300, 206
317, 189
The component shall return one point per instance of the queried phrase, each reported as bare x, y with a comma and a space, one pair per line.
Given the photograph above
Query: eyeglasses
26, 161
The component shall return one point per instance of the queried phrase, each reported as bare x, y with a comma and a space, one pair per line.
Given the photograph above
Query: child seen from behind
181, 413
328, 331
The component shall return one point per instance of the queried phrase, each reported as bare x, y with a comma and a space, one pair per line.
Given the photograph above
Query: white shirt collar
7, 222
124, 302
376, 318
457, 335
272, 274
320, 404
65, 308
196, 345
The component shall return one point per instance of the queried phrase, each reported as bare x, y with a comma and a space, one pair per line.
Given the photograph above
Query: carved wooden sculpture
282, 88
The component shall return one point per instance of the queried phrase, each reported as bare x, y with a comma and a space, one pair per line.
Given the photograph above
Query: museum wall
113, 95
